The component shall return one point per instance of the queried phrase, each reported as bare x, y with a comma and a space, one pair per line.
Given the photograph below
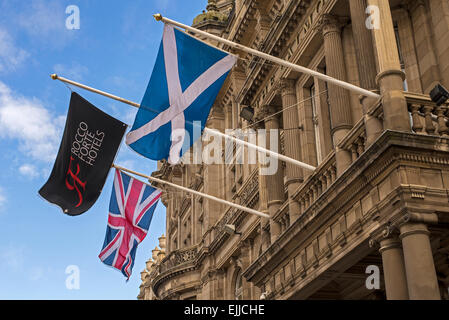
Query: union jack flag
130, 212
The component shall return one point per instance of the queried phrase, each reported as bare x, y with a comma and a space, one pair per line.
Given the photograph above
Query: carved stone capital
287, 87
265, 111
330, 24
412, 5
382, 234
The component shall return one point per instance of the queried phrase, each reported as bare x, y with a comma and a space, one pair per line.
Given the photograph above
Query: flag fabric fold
186, 79
88, 148
131, 210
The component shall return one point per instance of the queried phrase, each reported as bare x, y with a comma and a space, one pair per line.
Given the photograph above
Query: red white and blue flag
130, 212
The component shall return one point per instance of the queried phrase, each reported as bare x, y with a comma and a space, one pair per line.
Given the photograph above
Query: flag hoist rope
271, 58
153, 179
207, 130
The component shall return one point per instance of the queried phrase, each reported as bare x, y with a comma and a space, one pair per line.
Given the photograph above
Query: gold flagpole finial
54, 76
157, 16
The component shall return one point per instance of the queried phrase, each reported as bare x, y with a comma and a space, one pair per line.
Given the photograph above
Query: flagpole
231, 204
210, 131
271, 153
103, 93
271, 58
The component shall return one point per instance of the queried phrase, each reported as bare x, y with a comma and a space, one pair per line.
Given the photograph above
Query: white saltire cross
179, 101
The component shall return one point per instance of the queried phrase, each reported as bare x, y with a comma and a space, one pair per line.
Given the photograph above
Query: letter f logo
76, 181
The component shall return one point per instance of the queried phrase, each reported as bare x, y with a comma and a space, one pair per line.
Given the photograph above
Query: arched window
238, 293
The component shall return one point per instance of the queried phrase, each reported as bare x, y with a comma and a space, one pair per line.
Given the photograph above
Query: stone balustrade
426, 117
323, 177
178, 257
355, 141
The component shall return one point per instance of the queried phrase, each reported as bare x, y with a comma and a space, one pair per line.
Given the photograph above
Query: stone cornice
274, 43
178, 270
241, 19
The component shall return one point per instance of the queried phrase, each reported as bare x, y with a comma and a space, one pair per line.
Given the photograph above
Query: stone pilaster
390, 78
220, 284
429, 73
229, 181
213, 172
292, 143
408, 49
419, 265
439, 10
338, 97
245, 258
275, 182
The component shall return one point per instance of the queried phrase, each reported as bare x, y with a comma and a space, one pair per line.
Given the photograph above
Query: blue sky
114, 50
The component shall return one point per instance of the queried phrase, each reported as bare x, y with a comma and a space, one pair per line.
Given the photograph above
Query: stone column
245, 258
420, 268
390, 77
292, 144
364, 45
275, 182
367, 66
340, 113
394, 270
263, 196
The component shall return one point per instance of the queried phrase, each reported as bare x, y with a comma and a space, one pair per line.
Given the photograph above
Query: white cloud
28, 170
36, 273
11, 57
2, 199
13, 258
74, 71
29, 122
43, 18
129, 164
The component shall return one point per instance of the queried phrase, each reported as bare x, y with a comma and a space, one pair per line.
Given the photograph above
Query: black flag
88, 148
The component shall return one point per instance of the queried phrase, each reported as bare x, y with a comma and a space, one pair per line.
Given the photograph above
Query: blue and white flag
185, 82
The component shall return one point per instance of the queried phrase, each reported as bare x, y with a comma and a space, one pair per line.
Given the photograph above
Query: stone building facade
379, 198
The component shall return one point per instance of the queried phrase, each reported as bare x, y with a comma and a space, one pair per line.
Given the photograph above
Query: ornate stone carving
287, 87
329, 23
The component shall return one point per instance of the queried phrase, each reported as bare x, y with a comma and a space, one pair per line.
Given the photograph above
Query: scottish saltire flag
130, 212
186, 79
